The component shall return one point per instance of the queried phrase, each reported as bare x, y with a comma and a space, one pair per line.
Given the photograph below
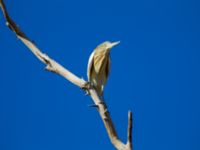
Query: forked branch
55, 67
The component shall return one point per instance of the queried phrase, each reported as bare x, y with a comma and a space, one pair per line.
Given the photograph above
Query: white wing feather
90, 64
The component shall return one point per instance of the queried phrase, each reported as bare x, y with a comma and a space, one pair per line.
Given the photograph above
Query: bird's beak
114, 44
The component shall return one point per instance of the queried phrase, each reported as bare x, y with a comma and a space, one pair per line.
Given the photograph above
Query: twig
55, 67
129, 131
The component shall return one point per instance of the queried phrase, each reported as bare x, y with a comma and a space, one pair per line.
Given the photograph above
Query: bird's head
110, 45
107, 45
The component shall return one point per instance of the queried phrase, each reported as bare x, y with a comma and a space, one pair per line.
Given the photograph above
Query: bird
98, 67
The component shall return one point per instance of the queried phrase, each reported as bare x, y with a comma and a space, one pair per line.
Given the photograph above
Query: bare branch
129, 131
52, 65
55, 67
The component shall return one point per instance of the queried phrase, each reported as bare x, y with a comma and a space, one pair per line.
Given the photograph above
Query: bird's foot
86, 88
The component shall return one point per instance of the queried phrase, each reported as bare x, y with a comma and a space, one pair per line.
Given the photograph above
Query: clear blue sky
155, 73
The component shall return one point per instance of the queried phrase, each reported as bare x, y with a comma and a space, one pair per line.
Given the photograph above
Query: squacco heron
99, 66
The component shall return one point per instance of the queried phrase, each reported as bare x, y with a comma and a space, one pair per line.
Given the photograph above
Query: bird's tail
99, 90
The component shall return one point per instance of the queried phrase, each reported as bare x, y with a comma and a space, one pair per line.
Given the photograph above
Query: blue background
155, 73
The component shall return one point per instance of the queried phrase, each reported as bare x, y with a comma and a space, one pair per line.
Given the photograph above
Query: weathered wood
53, 66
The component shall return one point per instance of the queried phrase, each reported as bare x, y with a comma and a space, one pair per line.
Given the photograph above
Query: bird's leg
86, 87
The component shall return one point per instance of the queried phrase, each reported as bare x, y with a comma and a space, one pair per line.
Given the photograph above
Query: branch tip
129, 131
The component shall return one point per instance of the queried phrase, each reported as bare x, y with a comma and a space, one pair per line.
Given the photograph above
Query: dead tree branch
53, 66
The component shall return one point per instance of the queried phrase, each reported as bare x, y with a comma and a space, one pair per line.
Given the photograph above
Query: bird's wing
107, 72
90, 66
108, 68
